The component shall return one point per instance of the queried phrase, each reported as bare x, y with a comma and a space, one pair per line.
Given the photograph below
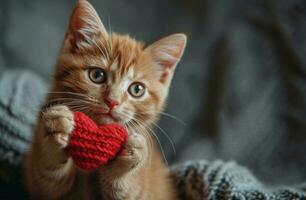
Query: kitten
111, 78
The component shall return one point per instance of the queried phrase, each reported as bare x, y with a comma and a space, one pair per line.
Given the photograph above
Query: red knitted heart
91, 146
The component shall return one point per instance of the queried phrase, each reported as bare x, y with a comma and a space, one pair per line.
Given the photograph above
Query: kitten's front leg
49, 171
121, 178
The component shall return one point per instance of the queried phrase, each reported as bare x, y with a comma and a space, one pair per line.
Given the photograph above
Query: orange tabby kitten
111, 78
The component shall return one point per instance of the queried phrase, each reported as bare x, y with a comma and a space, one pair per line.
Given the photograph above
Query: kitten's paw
133, 155
59, 124
134, 152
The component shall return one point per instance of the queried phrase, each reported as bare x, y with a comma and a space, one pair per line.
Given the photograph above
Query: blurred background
238, 93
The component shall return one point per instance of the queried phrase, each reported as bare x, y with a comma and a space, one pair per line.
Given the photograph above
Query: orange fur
141, 173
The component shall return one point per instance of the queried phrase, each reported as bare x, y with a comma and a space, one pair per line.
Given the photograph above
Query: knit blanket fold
226, 180
21, 94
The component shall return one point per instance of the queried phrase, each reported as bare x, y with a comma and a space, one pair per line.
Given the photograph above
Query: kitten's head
111, 77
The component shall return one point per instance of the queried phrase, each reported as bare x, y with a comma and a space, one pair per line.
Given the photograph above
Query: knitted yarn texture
218, 180
21, 94
91, 146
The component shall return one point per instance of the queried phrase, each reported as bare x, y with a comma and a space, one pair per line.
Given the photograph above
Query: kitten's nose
111, 103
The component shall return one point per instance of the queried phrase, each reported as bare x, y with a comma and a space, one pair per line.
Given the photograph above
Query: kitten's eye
137, 89
97, 75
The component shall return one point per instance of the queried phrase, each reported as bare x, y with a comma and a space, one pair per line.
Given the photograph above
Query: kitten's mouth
106, 118
109, 115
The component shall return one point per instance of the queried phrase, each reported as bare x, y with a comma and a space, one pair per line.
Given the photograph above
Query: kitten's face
114, 78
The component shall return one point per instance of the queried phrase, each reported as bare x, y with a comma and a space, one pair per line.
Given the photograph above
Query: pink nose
111, 103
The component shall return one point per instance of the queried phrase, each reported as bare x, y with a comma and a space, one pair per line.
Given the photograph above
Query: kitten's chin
106, 120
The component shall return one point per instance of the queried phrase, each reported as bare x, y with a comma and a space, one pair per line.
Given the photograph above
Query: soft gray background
240, 88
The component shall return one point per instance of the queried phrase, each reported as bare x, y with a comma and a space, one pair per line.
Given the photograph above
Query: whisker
67, 99
132, 123
168, 115
173, 117
71, 106
110, 35
105, 55
65, 92
88, 97
146, 135
160, 145
158, 141
165, 134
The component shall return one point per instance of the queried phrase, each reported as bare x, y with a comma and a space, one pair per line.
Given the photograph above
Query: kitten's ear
166, 53
84, 26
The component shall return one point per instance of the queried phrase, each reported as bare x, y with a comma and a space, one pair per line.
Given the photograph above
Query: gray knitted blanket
21, 93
